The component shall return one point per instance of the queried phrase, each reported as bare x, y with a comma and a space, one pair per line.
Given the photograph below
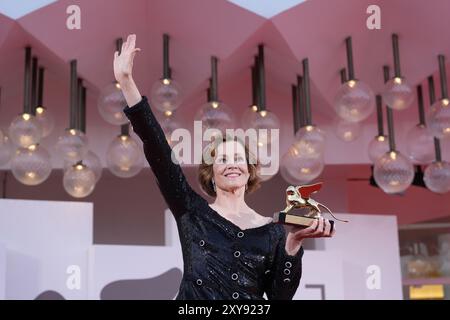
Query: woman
229, 250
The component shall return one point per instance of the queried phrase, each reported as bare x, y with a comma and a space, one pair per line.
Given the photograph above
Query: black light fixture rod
166, 68
396, 55
343, 76
390, 120
79, 103
214, 84
254, 83
350, 65
262, 79
295, 109
379, 102
443, 77
308, 117
27, 82
73, 94
119, 42
420, 104
40, 98
83, 110
437, 142
34, 78
301, 102
257, 84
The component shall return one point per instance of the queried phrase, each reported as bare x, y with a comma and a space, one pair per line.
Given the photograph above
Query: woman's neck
231, 201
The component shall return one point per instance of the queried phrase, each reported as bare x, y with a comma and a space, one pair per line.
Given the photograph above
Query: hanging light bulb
124, 157
111, 103
437, 177
31, 166
354, 100
264, 122
378, 147
166, 93
438, 118
301, 168
79, 180
169, 124
310, 141
92, 161
419, 146
393, 172
72, 145
398, 94
45, 120
25, 130
347, 131
6, 148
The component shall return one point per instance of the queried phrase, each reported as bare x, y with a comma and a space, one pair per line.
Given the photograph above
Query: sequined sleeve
169, 176
286, 270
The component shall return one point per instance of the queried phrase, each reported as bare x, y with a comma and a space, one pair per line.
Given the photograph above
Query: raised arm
174, 187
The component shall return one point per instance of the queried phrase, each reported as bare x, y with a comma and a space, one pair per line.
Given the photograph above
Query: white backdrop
44, 238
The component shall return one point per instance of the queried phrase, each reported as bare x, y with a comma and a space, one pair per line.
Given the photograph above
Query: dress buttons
240, 234
288, 264
234, 276
287, 280
237, 253
235, 295
267, 271
199, 282
201, 243
287, 272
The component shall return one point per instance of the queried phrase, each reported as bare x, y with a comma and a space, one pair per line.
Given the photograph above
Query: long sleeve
170, 178
286, 271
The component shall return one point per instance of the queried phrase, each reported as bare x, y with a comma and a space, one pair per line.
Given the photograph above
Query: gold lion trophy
298, 197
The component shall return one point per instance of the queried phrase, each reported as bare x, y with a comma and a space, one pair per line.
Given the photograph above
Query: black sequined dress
221, 260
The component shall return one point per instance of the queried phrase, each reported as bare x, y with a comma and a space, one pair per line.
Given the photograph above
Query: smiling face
230, 169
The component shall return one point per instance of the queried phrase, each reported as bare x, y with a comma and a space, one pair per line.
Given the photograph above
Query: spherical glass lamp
438, 119
264, 122
169, 124
420, 145
248, 115
166, 95
79, 180
378, 147
437, 177
111, 103
302, 168
354, 101
31, 166
46, 120
124, 157
393, 172
347, 131
310, 141
92, 161
72, 145
25, 130
216, 115
6, 148
398, 94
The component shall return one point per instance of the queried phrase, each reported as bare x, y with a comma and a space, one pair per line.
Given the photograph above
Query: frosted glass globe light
354, 101
166, 95
393, 172
25, 130
79, 181
169, 124
31, 166
347, 131
264, 163
124, 157
216, 115
92, 161
72, 145
46, 120
378, 147
438, 119
437, 177
111, 103
248, 115
398, 94
310, 141
6, 148
420, 145
264, 122
302, 168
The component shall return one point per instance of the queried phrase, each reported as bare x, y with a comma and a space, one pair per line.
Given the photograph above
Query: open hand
123, 63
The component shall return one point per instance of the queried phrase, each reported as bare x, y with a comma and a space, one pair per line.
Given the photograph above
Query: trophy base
296, 220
